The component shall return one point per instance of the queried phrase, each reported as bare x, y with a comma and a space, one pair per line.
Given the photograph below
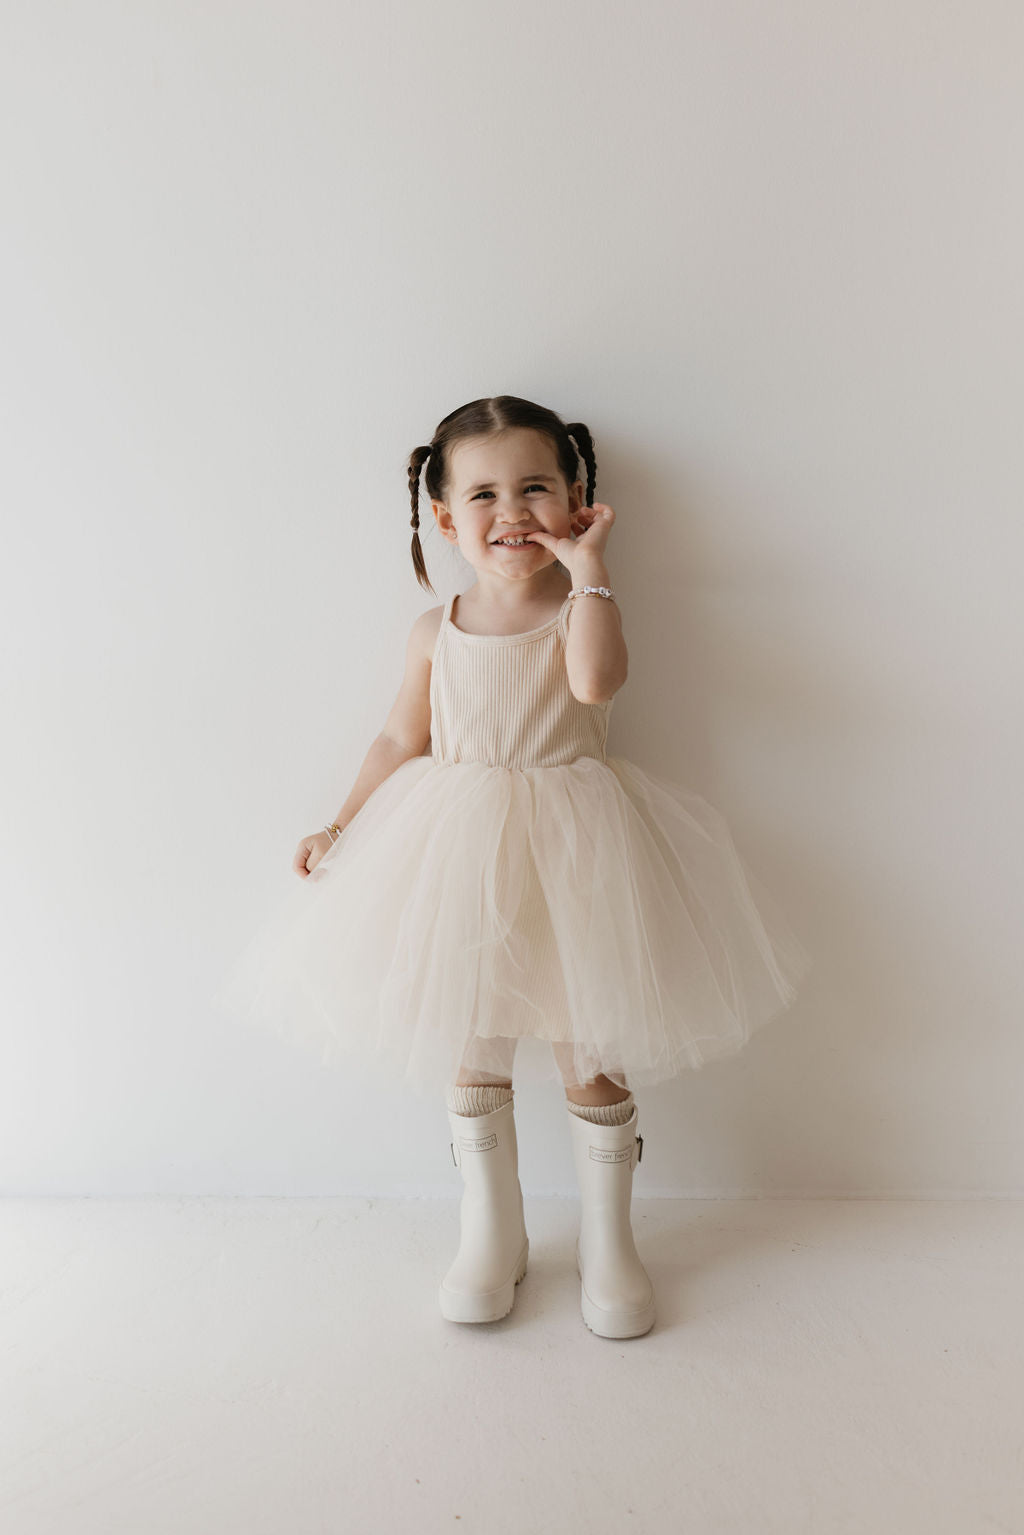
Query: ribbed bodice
505, 699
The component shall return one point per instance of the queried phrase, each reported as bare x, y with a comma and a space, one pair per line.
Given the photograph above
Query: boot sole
613, 1324
489, 1305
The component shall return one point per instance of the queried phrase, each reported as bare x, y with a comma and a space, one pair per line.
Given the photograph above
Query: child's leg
493, 1244
616, 1295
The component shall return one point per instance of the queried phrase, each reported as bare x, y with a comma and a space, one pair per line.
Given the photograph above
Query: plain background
251, 255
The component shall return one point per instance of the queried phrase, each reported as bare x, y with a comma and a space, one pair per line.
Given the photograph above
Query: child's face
504, 486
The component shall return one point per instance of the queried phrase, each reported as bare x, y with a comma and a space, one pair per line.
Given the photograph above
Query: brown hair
485, 418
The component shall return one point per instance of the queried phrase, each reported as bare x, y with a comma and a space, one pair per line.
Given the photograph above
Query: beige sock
477, 1099
603, 1113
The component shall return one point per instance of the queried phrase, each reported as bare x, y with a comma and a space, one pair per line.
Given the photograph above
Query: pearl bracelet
597, 591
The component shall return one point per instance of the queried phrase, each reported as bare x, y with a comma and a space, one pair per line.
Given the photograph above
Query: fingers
588, 515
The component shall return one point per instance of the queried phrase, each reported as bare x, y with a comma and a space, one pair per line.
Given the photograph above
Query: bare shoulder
424, 632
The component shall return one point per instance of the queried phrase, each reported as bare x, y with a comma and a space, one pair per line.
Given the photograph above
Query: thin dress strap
442, 628
563, 619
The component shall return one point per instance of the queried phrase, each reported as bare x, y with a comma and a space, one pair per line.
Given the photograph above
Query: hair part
486, 418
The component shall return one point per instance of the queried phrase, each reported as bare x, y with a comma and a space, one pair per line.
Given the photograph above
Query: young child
517, 880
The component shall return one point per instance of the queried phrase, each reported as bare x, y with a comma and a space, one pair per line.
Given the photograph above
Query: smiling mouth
511, 543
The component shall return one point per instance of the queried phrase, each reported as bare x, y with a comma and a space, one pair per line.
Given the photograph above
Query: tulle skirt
468, 906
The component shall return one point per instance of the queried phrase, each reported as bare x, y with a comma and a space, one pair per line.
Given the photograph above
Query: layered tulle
467, 905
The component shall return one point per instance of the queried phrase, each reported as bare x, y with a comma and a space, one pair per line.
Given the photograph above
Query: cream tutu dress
520, 882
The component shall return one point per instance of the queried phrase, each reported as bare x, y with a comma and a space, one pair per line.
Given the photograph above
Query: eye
535, 486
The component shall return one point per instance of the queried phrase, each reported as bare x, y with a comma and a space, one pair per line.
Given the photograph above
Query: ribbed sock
477, 1099
603, 1113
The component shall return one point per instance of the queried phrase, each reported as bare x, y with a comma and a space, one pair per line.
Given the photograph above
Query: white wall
251, 255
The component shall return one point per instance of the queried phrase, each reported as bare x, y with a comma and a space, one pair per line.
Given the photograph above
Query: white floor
280, 1367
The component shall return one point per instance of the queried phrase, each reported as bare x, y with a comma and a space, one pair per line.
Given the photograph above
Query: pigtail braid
585, 443
417, 459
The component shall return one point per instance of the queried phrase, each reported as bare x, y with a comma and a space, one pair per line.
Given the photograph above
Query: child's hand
309, 853
592, 524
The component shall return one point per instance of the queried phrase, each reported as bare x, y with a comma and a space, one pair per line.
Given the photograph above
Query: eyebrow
489, 484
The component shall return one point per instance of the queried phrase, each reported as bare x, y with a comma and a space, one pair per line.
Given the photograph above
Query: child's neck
506, 598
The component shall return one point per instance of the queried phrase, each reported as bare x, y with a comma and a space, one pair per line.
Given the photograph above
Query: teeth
511, 541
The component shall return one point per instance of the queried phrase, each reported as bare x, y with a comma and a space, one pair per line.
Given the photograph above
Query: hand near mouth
596, 522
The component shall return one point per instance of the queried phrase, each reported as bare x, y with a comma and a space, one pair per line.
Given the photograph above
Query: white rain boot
616, 1295
481, 1284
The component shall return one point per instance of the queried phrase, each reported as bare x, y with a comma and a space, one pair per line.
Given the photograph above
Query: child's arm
596, 658
406, 731
406, 734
